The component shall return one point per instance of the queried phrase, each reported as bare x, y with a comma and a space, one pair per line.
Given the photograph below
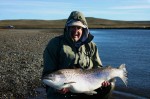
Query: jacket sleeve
51, 62
50, 57
96, 58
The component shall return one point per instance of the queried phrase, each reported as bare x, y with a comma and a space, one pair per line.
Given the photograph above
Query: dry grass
21, 60
92, 23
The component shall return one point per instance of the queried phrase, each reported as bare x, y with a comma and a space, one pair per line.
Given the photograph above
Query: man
74, 49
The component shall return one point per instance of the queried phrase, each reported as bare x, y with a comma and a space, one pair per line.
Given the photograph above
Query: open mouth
75, 35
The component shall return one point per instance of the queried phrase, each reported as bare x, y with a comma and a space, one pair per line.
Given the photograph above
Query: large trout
84, 81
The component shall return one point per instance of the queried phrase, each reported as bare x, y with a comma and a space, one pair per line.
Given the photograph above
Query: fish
84, 81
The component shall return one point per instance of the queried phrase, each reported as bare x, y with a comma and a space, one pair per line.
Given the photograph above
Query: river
131, 47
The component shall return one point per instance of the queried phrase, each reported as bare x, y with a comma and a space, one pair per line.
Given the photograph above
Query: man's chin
75, 39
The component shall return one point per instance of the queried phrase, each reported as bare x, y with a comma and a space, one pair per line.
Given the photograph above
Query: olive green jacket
62, 52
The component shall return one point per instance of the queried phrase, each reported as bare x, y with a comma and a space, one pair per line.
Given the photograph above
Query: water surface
129, 46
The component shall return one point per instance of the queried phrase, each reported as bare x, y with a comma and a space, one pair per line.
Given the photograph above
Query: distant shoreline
89, 28
94, 23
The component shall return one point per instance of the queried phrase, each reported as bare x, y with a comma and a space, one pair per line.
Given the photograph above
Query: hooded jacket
62, 52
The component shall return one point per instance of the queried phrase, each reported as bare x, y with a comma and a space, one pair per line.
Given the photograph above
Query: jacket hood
77, 16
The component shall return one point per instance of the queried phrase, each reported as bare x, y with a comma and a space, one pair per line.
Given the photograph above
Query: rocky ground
21, 61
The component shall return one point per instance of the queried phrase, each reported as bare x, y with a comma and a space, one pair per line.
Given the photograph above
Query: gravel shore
21, 61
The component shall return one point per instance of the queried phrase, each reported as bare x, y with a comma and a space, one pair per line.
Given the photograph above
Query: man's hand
105, 84
64, 90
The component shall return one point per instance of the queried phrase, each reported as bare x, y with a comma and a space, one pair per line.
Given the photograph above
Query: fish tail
124, 75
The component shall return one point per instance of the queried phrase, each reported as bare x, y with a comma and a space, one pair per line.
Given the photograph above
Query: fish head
54, 80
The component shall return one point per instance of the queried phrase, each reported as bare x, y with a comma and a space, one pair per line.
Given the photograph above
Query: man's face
75, 32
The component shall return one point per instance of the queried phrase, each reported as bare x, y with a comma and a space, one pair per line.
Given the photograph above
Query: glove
63, 91
105, 84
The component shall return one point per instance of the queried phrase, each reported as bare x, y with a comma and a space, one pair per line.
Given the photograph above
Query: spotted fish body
84, 81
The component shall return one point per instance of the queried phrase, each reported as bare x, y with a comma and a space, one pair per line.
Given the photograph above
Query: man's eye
76, 27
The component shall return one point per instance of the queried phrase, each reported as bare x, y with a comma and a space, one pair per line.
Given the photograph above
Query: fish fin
90, 92
112, 80
69, 83
124, 76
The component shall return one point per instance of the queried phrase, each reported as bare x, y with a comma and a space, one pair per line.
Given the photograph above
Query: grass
21, 60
